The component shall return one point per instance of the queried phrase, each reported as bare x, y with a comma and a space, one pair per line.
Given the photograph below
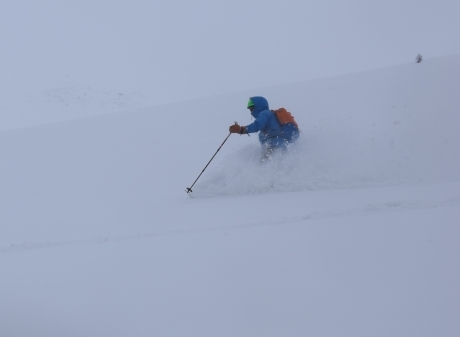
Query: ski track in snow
389, 206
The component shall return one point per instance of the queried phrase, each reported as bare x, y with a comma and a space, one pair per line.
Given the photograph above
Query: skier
272, 135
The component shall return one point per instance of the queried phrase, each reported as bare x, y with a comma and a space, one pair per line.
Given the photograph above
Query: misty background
353, 232
144, 53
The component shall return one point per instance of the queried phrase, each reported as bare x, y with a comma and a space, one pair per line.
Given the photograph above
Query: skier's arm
260, 123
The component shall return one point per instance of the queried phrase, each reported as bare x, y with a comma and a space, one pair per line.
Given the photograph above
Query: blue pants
289, 134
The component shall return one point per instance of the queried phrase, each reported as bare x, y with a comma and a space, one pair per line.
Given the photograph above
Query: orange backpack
284, 117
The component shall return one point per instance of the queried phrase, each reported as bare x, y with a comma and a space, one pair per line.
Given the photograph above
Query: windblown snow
385, 127
351, 232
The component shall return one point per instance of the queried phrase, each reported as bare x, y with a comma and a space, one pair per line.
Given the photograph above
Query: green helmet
250, 103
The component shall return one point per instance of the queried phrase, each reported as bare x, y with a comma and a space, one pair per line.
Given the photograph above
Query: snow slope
353, 232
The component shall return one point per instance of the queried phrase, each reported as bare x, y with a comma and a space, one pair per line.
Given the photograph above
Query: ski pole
189, 189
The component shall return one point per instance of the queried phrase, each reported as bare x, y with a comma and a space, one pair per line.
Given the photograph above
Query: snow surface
353, 232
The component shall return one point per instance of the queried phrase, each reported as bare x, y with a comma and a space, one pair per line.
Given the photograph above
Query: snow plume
380, 128
337, 156
245, 172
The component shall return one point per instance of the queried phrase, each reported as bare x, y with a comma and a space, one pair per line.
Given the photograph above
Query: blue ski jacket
271, 133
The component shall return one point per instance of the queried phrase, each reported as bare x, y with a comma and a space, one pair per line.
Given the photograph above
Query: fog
165, 51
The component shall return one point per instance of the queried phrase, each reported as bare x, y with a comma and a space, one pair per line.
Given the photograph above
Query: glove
235, 128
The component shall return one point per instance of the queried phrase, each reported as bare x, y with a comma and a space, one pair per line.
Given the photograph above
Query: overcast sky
174, 50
